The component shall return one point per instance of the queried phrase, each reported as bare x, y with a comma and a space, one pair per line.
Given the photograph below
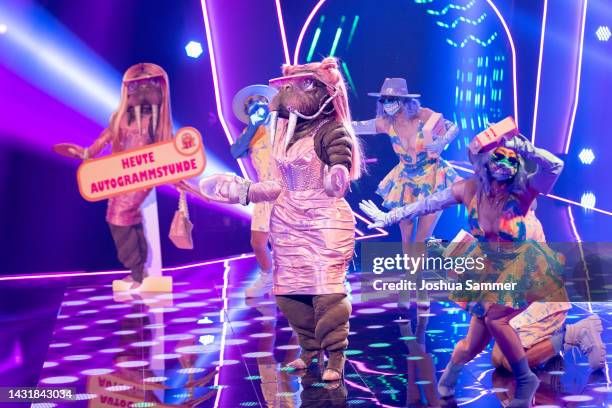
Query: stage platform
205, 345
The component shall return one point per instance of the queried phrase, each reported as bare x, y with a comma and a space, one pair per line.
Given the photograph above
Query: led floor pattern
205, 346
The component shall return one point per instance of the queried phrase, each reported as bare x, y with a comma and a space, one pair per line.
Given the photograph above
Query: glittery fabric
312, 233
124, 209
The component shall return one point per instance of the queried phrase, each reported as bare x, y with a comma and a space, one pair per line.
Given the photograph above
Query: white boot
261, 287
586, 335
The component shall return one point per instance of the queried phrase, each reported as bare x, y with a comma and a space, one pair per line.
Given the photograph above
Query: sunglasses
498, 156
388, 100
132, 86
306, 82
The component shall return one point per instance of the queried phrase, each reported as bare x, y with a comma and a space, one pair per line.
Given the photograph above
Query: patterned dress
260, 153
541, 319
413, 179
532, 265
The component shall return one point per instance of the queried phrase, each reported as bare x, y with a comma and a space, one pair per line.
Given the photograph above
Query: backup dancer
498, 200
250, 105
420, 171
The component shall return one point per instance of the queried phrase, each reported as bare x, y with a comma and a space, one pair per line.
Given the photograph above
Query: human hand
336, 180
258, 114
436, 147
378, 217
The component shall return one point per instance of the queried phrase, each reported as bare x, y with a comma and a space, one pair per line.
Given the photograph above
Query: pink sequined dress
124, 209
312, 233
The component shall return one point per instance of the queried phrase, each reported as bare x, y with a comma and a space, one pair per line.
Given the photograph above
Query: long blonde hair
143, 70
327, 72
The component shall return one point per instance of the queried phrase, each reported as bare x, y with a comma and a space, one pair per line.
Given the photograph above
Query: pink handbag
180, 230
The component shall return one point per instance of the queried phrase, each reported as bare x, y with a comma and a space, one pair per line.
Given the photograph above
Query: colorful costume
312, 227
421, 172
260, 153
250, 106
414, 178
501, 178
532, 265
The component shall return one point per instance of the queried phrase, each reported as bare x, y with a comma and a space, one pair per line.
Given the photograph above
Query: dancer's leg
426, 226
476, 340
332, 314
537, 355
263, 284
497, 321
259, 243
406, 229
466, 349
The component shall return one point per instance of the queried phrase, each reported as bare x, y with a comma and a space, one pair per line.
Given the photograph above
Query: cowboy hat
242, 95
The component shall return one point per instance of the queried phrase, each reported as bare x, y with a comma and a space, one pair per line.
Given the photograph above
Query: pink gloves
231, 189
336, 180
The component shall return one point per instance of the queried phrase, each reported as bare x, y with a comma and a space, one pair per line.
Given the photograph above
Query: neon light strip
206, 263
573, 224
372, 236
281, 25
332, 52
554, 197
314, 44
303, 31
213, 66
352, 33
364, 219
537, 95
565, 200
222, 313
349, 79
59, 275
74, 274
514, 80
578, 76
584, 264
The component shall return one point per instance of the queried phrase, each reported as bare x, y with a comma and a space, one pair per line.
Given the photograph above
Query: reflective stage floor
205, 346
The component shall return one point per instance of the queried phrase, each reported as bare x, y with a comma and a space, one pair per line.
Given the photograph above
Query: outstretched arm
258, 114
549, 166
371, 127
365, 127
241, 146
430, 204
446, 136
98, 145
231, 189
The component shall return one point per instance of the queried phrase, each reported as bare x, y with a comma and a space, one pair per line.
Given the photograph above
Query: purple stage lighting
194, 49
